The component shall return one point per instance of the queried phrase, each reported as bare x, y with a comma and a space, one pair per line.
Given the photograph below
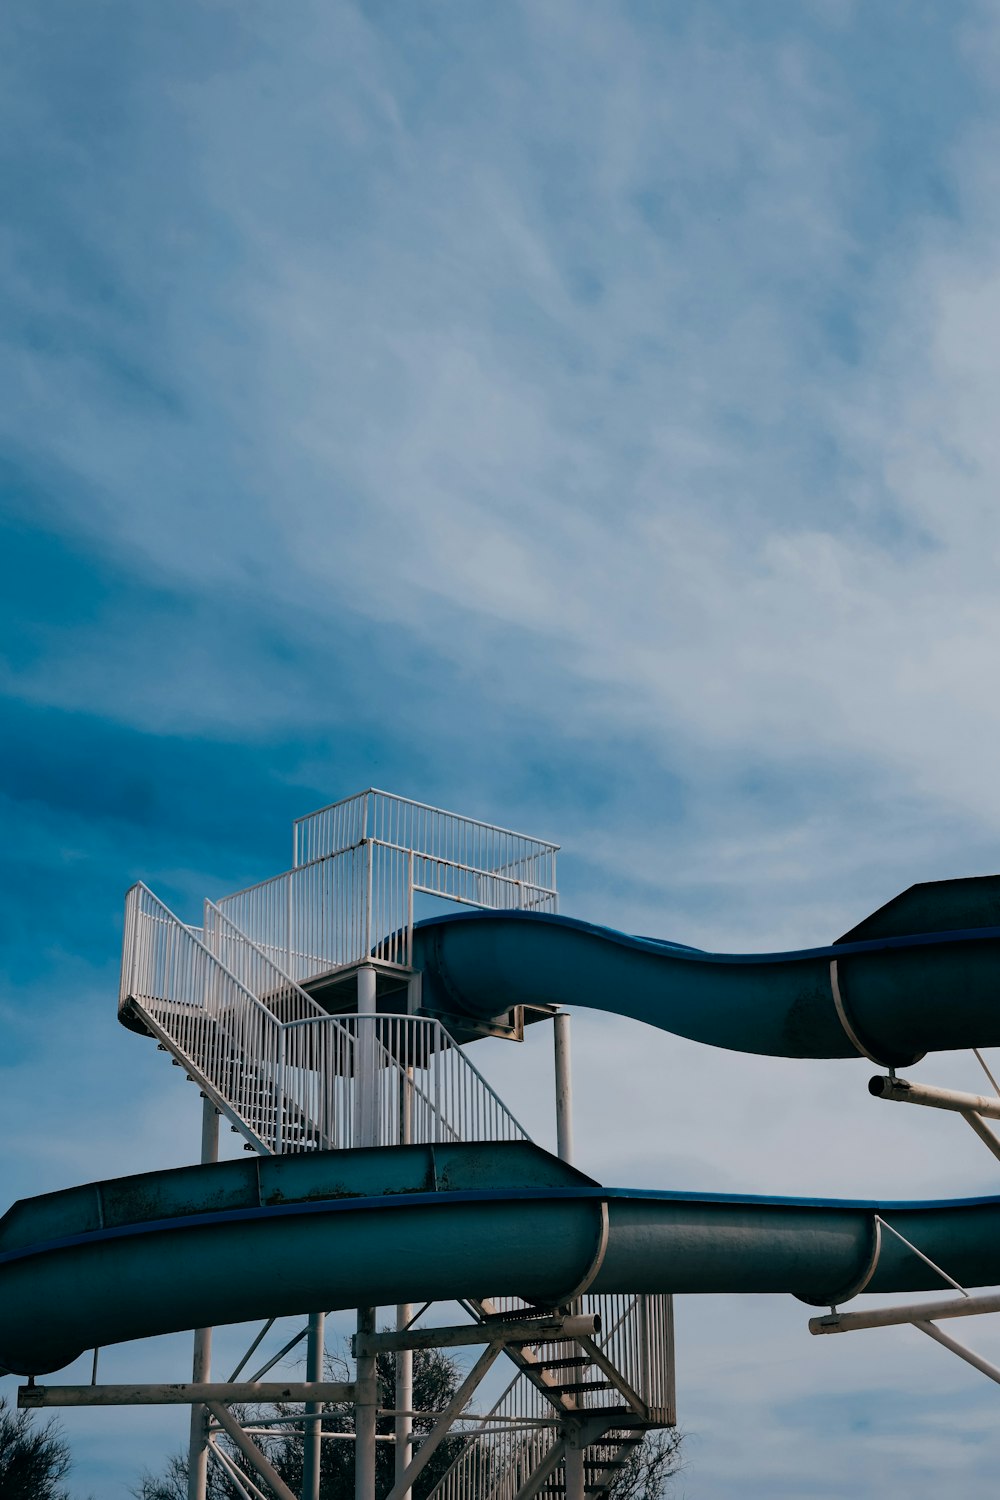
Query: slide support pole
573, 1468
404, 1310
564, 1086
311, 1441
366, 1399
365, 1412
201, 1363
573, 1461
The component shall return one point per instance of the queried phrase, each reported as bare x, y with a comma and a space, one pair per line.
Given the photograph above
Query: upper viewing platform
360, 867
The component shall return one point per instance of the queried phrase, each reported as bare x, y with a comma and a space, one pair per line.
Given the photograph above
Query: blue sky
579, 415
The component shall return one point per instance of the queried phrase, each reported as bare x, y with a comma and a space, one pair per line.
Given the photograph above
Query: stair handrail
215, 916
277, 1080
211, 986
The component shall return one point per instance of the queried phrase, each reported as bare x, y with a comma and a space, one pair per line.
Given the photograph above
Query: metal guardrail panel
430, 831
287, 1072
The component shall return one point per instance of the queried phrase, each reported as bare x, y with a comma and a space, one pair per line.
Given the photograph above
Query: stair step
577, 1362
574, 1387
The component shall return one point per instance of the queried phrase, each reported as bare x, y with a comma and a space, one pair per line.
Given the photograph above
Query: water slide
919, 975
230, 1242
245, 1240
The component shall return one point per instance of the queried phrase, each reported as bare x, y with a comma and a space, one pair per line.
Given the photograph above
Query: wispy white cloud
592, 406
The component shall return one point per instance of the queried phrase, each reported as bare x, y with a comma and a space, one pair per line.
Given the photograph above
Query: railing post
201, 1364
369, 893
279, 1101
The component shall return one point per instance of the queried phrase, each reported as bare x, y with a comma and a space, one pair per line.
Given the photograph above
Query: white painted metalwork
902, 1091
505, 1448
431, 833
635, 1341
975, 1109
227, 1001
626, 1371
293, 1085
184, 1393
349, 897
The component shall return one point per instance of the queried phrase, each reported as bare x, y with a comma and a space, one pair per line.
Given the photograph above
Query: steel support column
404, 1310
365, 1412
573, 1469
201, 1363
564, 1086
366, 1399
311, 1442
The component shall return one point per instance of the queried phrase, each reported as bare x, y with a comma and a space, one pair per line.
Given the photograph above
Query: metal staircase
256, 1006
589, 1386
287, 1075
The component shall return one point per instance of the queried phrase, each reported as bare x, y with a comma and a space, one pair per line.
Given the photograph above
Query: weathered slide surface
919, 975
169, 1251
235, 1241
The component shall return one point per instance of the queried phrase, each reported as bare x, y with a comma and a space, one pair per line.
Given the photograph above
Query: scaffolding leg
404, 1399
573, 1465
311, 1442
564, 1086
365, 1413
201, 1364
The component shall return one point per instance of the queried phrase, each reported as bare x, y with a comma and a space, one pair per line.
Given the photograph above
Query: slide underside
235, 1241
920, 975
167, 1251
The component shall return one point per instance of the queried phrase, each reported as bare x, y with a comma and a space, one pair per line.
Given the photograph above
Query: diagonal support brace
444, 1422
253, 1455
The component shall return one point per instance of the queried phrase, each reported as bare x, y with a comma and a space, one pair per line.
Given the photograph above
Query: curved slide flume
919, 975
167, 1251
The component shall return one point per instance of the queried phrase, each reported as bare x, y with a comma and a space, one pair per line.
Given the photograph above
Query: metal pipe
403, 1424
971, 1358
30, 1396
365, 1412
564, 1086
443, 1425
364, 1078
314, 1427
404, 1396
983, 1131
906, 1312
904, 1092
201, 1361
254, 1456
573, 1469
545, 1330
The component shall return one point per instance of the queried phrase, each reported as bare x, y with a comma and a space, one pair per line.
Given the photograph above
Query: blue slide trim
701, 955
481, 1195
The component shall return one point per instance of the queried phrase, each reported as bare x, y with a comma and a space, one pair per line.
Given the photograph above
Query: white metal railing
504, 1449
522, 1428
636, 1339
296, 1082
358, 904
429, 831
255, 969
